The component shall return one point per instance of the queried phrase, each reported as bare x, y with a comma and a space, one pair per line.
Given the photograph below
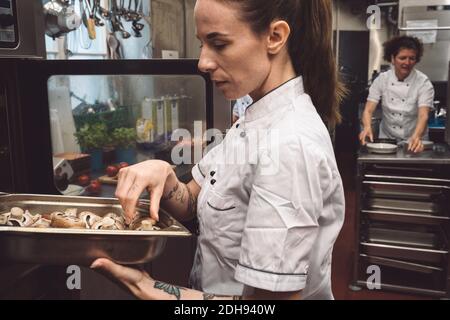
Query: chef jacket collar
275, 101
409, 79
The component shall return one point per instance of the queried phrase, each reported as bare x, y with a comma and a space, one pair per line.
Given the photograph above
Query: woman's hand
415, 144
150, 175
138, 282
366, 133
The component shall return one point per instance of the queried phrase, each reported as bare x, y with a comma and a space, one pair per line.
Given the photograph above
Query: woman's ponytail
311, 52
310, 46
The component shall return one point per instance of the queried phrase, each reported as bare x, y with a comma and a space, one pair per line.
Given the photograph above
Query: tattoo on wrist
192, 202
208, 296
169, 289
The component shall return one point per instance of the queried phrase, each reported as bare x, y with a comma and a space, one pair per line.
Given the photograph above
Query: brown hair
393, 46
309, 45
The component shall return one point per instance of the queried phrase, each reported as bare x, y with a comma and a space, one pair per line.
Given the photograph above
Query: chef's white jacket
401, 101
269, 221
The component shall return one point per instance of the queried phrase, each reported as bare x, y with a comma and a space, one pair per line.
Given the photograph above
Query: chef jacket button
243, 134
392, 99
213, 181
407, 84
237, 126
403, 100
393, 84
212, 173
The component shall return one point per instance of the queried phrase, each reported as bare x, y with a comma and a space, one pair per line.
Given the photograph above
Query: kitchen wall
352, 16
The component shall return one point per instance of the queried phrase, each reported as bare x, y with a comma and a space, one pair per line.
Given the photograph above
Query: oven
403, 223
22, 29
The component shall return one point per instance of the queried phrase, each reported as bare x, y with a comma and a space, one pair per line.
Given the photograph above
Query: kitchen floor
344, 247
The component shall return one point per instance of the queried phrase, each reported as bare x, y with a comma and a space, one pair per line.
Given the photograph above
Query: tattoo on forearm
180, 195
169, 289
208, 296
171, 193
192, 202
177, 193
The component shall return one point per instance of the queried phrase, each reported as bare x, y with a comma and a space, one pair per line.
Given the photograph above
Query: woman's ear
278, 36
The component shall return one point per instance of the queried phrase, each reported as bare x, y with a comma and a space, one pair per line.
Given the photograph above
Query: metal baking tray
80, 246
403, 238
406, 253
405, 190
405, 217
404, 205
402, 265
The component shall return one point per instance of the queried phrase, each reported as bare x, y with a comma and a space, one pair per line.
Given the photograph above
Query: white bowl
384, 148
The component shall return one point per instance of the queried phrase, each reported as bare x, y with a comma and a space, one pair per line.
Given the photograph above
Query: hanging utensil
129, 15
84, 17
91, 21
98, 20
139, 10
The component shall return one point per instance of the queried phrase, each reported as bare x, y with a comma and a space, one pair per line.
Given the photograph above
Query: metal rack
403, 223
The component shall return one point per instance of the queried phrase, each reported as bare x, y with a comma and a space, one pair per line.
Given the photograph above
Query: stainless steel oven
22, 31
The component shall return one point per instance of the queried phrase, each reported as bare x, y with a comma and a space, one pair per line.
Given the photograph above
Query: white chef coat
401, 101
241, 105
272, 230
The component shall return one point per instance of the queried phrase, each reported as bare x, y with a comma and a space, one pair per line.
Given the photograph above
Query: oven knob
6, 20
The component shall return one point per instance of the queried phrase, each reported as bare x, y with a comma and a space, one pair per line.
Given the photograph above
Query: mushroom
142, 222
89, 218
108, 223
25, 221
17, 213
72, 212
42, 223
146, 225
56, 214
116, 217
67, 222
4, 218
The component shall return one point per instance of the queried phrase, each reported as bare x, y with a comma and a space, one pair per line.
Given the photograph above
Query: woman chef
406, 96
267, 228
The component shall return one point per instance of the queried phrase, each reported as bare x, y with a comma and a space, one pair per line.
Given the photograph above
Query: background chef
406, 96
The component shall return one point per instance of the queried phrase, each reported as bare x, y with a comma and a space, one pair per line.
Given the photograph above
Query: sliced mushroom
67, 222
17, 213
72, 212
35, 217
116, 217
89, 218
139, 220
4, 218
25, 221
42, 223
56, 214
146, 225
108, 223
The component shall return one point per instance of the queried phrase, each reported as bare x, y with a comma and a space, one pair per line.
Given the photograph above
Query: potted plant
125, 141
92, 138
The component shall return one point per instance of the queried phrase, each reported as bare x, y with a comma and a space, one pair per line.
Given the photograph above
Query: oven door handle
3, 194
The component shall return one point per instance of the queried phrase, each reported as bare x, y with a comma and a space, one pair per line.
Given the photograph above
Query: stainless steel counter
427, 157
